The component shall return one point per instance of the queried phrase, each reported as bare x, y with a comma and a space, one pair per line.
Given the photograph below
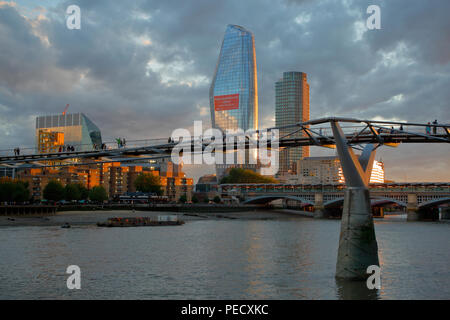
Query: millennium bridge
358, 248
310, 133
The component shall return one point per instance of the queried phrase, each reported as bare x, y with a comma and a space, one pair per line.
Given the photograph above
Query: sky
140, 69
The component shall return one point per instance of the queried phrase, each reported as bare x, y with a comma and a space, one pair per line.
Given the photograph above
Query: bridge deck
166, 148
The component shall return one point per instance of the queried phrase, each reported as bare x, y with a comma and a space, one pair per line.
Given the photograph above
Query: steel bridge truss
354, 133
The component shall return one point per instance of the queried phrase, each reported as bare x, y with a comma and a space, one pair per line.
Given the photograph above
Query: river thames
286, 258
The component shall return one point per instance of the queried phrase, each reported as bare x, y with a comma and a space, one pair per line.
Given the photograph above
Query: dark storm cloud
141, 69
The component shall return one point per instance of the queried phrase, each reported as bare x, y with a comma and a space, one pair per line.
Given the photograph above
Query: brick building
117, 179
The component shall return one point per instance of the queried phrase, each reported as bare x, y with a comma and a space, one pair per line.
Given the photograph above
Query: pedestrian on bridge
435, 128
428, 129
119, 143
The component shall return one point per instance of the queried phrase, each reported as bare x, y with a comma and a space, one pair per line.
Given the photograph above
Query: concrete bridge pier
412, 209
445, 213
319, 209
358, 247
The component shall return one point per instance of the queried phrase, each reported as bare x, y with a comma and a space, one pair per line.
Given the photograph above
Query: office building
291, 106
55, 132
207, 187
234, 89
328, 170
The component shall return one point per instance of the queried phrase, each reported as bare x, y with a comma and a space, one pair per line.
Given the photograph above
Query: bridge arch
382, 201
435, 202
374, 201
270, 198
333, 202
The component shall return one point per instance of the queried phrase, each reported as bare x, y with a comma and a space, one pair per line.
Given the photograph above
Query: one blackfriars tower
234, 89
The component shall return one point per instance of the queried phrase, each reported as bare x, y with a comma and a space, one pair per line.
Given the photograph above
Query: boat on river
142, 222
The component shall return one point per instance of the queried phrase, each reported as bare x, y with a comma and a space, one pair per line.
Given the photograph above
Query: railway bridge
418, 199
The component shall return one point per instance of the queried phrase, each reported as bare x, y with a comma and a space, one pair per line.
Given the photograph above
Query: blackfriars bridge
416, 198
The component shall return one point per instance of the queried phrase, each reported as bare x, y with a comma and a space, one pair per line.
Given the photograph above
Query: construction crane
65, 110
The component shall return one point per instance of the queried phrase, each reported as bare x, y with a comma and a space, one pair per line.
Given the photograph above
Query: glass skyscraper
291, 106
77, 130
234, 89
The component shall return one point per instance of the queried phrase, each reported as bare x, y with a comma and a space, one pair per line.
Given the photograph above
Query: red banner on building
226, 102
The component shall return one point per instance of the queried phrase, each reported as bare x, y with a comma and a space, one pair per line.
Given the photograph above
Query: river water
220, 259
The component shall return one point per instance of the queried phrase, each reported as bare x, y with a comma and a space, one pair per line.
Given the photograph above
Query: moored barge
142, 222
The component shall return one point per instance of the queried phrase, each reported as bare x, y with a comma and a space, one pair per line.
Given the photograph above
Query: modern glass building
234, 89
55, 131
291, 106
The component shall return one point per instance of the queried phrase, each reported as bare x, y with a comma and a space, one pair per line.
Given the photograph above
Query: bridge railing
319, 128
108, 145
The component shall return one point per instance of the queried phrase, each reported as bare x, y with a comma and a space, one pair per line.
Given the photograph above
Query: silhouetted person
435, 128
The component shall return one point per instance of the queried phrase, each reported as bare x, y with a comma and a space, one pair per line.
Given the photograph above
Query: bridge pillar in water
358, 247
319, 209
412, 209
445, 213
378, 212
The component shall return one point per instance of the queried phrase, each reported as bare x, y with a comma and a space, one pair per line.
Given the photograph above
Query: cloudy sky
140, 69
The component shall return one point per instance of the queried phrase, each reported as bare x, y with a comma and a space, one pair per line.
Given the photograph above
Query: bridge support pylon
412, 210
358, 247
319, 209
445, 215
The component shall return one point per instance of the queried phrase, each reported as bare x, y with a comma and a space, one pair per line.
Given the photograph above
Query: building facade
55, 132
234, 89
291, 106
117, 179
207, 187
328, 170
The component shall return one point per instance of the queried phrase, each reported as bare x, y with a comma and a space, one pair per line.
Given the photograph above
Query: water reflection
237, 259
355, 290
